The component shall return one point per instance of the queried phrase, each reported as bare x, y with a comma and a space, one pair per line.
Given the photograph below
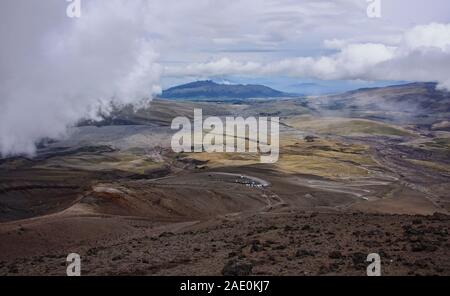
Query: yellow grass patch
345, 126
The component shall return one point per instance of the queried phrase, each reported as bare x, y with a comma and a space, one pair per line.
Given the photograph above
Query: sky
55, 70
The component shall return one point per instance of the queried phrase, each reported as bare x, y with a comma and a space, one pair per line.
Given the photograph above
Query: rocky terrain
287, 243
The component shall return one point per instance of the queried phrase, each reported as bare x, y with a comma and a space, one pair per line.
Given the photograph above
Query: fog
56, 70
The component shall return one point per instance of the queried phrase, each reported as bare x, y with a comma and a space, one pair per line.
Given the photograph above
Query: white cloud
422, 54
55, 70
433, 35
351, 61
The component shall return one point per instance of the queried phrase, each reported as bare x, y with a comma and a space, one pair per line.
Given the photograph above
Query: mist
55, 70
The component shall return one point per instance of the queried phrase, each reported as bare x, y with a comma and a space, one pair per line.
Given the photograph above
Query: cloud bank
422, 54
56, 70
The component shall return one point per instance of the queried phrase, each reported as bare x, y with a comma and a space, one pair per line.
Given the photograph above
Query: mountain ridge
208, 89
418, 102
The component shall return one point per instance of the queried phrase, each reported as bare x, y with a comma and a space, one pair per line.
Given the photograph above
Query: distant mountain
312, 89
211, 90
408, 103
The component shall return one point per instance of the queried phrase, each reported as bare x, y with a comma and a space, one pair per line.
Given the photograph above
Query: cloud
429, 36
55, 70
422, 54
350, 62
